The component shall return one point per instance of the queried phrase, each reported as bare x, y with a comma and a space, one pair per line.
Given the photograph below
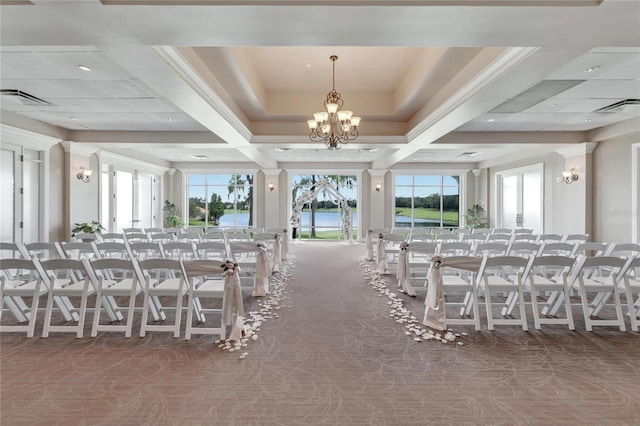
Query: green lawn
424, 213
328, 235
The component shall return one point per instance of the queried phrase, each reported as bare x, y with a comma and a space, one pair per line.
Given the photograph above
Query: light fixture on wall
333, 126
84, 175
568, 176
378, 187
271, 187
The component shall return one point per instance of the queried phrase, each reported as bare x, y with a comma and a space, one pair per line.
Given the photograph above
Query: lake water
328, 220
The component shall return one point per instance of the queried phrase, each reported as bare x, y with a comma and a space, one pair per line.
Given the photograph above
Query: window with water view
427, 201
220, 200
323, 217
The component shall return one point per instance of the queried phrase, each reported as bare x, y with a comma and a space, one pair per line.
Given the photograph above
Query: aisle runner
398, 311
268, 307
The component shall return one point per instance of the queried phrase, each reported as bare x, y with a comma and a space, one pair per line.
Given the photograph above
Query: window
220, 200
427, 201
322, 216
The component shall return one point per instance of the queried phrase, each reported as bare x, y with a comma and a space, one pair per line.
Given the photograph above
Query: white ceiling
233, 81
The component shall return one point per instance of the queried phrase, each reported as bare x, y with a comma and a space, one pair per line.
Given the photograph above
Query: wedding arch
332, 191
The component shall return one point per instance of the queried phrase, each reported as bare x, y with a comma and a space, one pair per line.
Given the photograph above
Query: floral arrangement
404, 245
284, 230
437, 261
229, 267
381, 235
370, 231
261, 245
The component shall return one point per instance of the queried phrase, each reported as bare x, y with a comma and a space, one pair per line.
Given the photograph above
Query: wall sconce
378, 187
271, 187
84, 175
568, 176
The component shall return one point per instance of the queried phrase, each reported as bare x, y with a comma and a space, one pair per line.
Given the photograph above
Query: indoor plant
93, 227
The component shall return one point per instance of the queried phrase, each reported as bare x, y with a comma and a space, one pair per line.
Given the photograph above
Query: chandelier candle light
333, 126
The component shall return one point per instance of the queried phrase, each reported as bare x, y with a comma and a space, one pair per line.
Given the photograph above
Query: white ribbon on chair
263, 272
285, 244
232, 307
434, 315
403, 271
383, 266
276, 261
369, 245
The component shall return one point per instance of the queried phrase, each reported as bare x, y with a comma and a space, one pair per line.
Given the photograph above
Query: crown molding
576, 150
26, 138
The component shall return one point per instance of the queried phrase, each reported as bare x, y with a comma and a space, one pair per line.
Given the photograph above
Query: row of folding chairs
60, 280
503, 237
600, 281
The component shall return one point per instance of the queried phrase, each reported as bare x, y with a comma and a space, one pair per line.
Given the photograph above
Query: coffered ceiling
235, 81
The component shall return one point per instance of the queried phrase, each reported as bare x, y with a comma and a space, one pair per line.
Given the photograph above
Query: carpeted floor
334, 356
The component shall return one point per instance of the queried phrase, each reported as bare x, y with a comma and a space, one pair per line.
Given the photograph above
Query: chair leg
82, 312
476, 308
487, 299
523, 313
190, 308
632, 310
585, 308
145, 314
34, 310
130, 311
535, 308
619, 315
567, 306
47, 313
96, 312
178, 319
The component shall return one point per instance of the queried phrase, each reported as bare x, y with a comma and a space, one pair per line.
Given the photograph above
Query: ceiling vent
540, 92
25, 98
622, 106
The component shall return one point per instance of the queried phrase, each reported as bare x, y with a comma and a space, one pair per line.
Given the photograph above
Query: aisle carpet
333, 356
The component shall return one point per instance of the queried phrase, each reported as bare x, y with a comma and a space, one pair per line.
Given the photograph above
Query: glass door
520, 200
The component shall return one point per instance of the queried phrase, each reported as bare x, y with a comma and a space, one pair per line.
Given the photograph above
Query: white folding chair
21, 278
44, 251
112, 237
507, 231
145, 250
587, 275
491, 249
162, 278
557, 249
499, 238
575, 238
420, 254
556, 287
522, 231
623, 250
457, 277
111, 250
67, 278
455, 248
212, 250
531, 238
162, 238
204, 281
13, 251
150, 231
504, 274
78, 250
524, 249
133, 230
115, 278
550, 238
136, 237
590, 249
630, 284
179, 251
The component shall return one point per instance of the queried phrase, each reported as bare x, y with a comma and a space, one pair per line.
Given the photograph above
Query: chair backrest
502, 231
591, 249
421, 247
136, 237
188, 237
557, 249
112, 237
174, 231
491, 249
474, 237
212, 250
108, 268
237, 236
111, 250
525, 237
12, 251
133, 230
524, 249
482, 231
523, 231
150, 231
78, 250
503, 265
143, 251
73, 269
162, 238
13, 268
455, 248
631, 269
160, 268
395, 238
201, 268
179, 250
623, 250
576, 238
544, 265
598, 266
499, 238
550, 238
44, 251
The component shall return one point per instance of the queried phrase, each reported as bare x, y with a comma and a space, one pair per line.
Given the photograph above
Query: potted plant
171, 217
93, 227
476, 217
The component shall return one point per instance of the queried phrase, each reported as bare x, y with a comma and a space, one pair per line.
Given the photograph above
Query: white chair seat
167, 288
209, 287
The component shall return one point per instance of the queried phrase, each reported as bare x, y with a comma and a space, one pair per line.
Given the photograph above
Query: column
272, 193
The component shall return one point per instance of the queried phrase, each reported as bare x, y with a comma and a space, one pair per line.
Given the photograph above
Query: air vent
619, 106
25, 98
533, 96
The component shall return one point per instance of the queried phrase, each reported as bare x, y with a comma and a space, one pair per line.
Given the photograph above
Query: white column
272, 192
576, 212
379, 191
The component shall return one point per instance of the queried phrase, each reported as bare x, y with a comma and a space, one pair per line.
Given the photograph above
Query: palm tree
236, 181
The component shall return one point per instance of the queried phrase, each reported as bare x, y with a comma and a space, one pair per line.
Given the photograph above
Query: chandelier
333, 126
